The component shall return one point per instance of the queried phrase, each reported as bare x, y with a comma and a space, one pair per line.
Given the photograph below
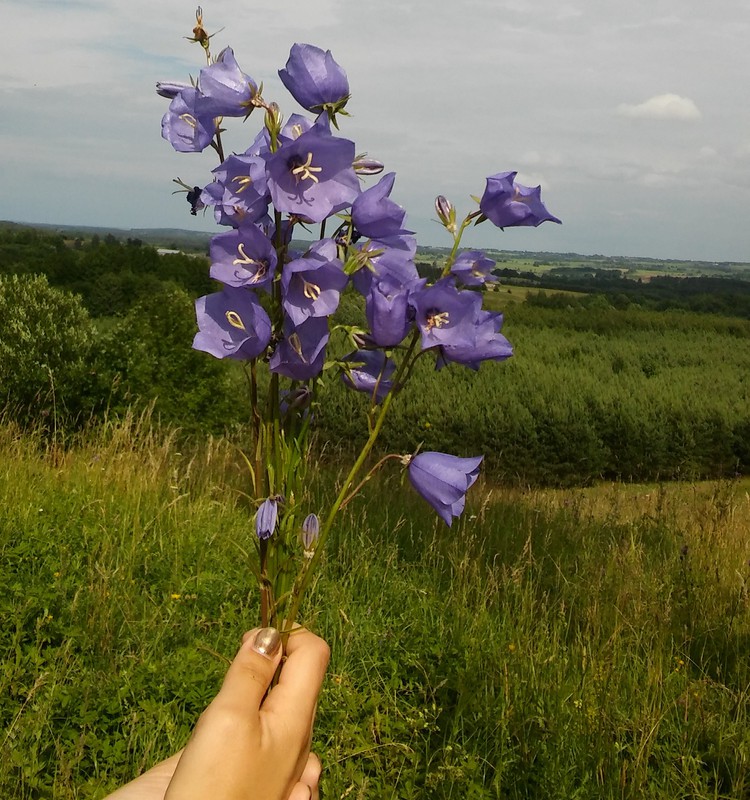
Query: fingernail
267, 642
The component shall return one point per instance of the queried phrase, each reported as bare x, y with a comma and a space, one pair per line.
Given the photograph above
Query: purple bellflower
239, 192
187, 127
225, 89
310, 531
311, 286
389, 315
231, 324
301, 354
243, 257
314, 79
473, 268
312, 176
369, 371
485, 343
507, 204
266, 517
444, 315
375, 215
443, 480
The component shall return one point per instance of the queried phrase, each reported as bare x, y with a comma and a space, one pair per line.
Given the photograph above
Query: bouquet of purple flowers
276, 307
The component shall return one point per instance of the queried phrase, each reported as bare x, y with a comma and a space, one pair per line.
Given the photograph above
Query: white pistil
437, 320
234, 319
305, 171
190, 119
245, 257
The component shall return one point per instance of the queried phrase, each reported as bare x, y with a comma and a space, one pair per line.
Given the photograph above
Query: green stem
457, 241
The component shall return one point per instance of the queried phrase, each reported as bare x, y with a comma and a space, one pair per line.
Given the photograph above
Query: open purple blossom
508, 204
239, 191
232, 324
225, 89
311, 286
375, 215
187, 126
266, 517
300, 355
485, 343
473, 268
243, 257
314, 79
369, 371
443, 480
390, 257
312, 176
444, 315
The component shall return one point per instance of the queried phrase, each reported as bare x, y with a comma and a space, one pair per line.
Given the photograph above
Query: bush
46, 337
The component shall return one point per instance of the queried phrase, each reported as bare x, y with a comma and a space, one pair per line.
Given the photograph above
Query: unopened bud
367, 166
170, 89
446, 212
310, 533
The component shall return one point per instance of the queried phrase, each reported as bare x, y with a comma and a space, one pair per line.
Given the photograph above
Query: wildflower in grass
243, 257
312, 176
473, 268
301, 353
369, 371
311, 286
265, 518
375, 215
310, 531
186, 126
315, 80
443, 480
506, 203
232, 324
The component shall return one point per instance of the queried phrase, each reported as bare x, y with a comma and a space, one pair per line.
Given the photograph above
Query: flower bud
446, 212
310, 532
170, 89
265, 519
367, 166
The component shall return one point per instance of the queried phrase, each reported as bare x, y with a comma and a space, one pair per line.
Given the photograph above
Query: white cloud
662, 106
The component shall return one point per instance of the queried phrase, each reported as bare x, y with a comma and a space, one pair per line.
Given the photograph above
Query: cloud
661, 106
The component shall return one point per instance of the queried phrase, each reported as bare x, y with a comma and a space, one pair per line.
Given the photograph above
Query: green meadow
552, 643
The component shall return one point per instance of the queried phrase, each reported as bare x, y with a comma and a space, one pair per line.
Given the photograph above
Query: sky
633, 116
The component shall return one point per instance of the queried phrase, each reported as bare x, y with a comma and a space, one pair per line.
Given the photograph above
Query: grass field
552, 644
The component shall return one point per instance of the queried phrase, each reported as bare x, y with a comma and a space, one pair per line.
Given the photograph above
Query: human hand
245, 746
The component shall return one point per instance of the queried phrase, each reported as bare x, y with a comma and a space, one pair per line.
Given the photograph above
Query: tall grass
551, 644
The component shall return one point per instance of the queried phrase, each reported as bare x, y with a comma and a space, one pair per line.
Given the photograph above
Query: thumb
250, 674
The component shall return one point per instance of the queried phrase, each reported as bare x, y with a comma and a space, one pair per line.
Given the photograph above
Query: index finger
301, 677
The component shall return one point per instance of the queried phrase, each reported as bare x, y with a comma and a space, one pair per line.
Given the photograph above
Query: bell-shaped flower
187, 126
507, 204
443, 481
239, 192
243, 257
310, 531
375, 215
485, 343
389, 315
312, 176
473, 268
300, 355
266, 517
314, 79
392, 257
232, 324
225, 89
369, 371
311, 286
444, 315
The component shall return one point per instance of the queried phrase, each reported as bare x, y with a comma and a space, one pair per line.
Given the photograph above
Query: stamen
437, 319
305, 171
190, 119
234, 319
244, 181
311, 291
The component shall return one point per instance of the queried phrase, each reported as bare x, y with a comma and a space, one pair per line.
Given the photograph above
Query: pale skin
250, 742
